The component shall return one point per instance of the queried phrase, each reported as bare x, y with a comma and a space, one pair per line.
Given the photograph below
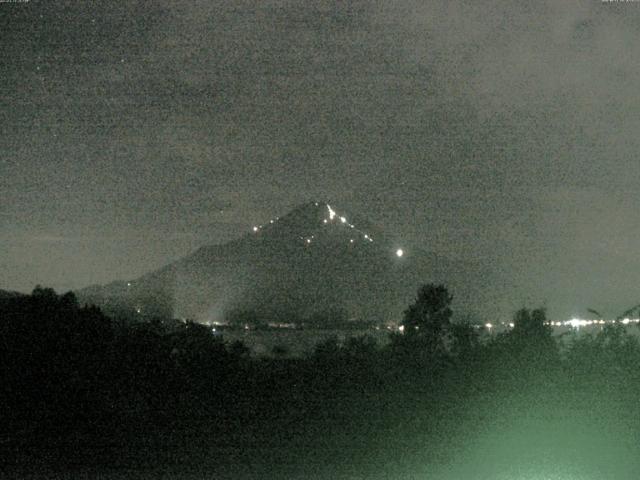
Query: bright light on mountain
399, 252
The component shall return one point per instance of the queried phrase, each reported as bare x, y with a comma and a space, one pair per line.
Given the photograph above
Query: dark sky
504, 133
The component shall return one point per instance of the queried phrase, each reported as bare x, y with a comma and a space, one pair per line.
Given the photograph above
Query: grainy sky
505, 133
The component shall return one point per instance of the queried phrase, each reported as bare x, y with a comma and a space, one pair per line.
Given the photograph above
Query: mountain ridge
311, 260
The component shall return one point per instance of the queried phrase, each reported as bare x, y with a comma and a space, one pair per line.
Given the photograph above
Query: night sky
500, 133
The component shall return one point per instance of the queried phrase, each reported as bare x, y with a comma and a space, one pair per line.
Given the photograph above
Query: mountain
314, 264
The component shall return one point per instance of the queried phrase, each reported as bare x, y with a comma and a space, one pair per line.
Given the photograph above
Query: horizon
478, 319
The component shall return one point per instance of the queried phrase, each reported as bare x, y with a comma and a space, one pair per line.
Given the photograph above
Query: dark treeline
80, 390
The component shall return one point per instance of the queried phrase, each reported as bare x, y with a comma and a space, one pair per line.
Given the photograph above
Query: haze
502, 134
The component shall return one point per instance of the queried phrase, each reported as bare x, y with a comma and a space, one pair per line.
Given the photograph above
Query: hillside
314, 262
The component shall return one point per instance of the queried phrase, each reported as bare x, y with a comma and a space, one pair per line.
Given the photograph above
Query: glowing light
366, 236
128, 284
325, 220
308, 240
401, 328
488, 325
270, 221
351, 241
343, 220
255, 229
332, 214
399, 252
576, 323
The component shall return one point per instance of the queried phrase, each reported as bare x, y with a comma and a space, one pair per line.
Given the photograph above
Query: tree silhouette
465, 340
531, 324
428, 318
532, 349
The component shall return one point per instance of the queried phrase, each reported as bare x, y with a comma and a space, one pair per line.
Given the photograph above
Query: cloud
462, 125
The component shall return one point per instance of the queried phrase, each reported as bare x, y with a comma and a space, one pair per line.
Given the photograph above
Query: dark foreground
83, 398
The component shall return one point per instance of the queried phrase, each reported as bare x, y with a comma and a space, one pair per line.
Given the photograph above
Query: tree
531, 324
429, 317
364, 346
44, 294
465, 340
533, 351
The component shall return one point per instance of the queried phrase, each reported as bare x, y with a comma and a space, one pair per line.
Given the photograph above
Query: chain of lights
575, 323
257, 228
579, 322
341, 220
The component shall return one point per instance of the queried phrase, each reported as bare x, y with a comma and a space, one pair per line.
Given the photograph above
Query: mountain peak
312, 219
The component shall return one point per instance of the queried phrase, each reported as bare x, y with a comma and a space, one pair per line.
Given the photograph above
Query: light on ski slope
332, 216
343, 220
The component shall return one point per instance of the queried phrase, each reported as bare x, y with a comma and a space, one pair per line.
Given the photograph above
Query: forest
83, 393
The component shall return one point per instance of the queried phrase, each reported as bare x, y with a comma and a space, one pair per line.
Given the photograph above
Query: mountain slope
313, 261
